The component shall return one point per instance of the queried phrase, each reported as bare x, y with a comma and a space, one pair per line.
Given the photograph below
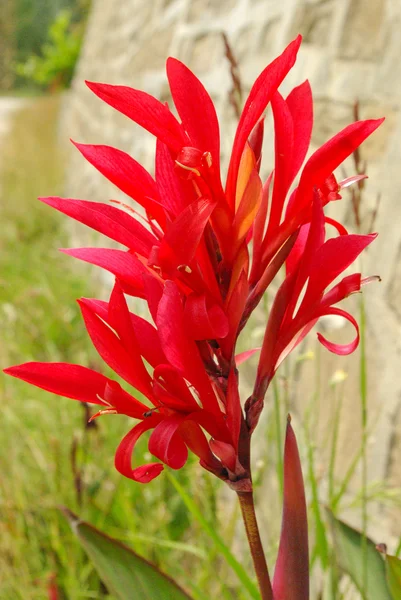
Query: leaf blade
126, 574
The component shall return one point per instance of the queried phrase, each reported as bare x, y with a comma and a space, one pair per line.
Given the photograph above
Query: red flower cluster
202, 257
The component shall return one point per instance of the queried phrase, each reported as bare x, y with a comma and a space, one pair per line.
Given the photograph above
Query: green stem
255, 544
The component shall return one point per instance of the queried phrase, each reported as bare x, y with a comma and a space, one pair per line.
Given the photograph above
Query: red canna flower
202, 255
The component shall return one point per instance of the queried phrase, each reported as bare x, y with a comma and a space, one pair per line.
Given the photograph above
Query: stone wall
351, 51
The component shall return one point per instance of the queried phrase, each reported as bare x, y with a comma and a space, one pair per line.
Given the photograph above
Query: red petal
340, 228
195, 108
204, 322
283, 151
176, 387
113, 222
122, 264
300, 103
336, 255
291, 575
125, 404
124, 451
127, 174
175, 192
340, 349
306, 257
325, 160
247, 209
179, 245
180, 350
259, 228
128, 365
259, 97
71, 381
226, 453
167, 445
145, 110
243, 356
234, 310
153, 291
196, 441
347, 286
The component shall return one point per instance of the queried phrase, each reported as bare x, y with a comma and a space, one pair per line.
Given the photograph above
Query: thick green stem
255, 544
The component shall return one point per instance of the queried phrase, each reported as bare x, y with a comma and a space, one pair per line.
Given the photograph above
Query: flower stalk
255, 544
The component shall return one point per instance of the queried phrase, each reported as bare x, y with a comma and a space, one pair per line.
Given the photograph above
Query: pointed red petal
127, 174
166, 444
243, 356
122, 264
300, 103
259, 97
63, 379
332, 258
327, 158
283, 152
291, 575
128, 365
145, 110
195, 108
123, 457
113, 222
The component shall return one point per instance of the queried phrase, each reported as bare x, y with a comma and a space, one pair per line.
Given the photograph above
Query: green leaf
125, 574
393, 572
348, 546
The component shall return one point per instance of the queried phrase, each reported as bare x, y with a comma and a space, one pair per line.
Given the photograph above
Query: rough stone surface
351, 50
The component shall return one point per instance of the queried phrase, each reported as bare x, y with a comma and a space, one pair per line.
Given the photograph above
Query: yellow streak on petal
248, 207
247, 165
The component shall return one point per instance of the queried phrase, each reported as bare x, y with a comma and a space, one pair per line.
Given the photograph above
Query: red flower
202, 257
179, 413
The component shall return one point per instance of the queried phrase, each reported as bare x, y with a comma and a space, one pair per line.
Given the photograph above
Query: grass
49, 457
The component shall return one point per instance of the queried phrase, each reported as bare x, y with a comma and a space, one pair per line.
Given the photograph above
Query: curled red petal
166, 444
123, 456
340, 349
291, 575
63, 379
204, 322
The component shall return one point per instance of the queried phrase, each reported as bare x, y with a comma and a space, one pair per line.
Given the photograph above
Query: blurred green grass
48, 457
